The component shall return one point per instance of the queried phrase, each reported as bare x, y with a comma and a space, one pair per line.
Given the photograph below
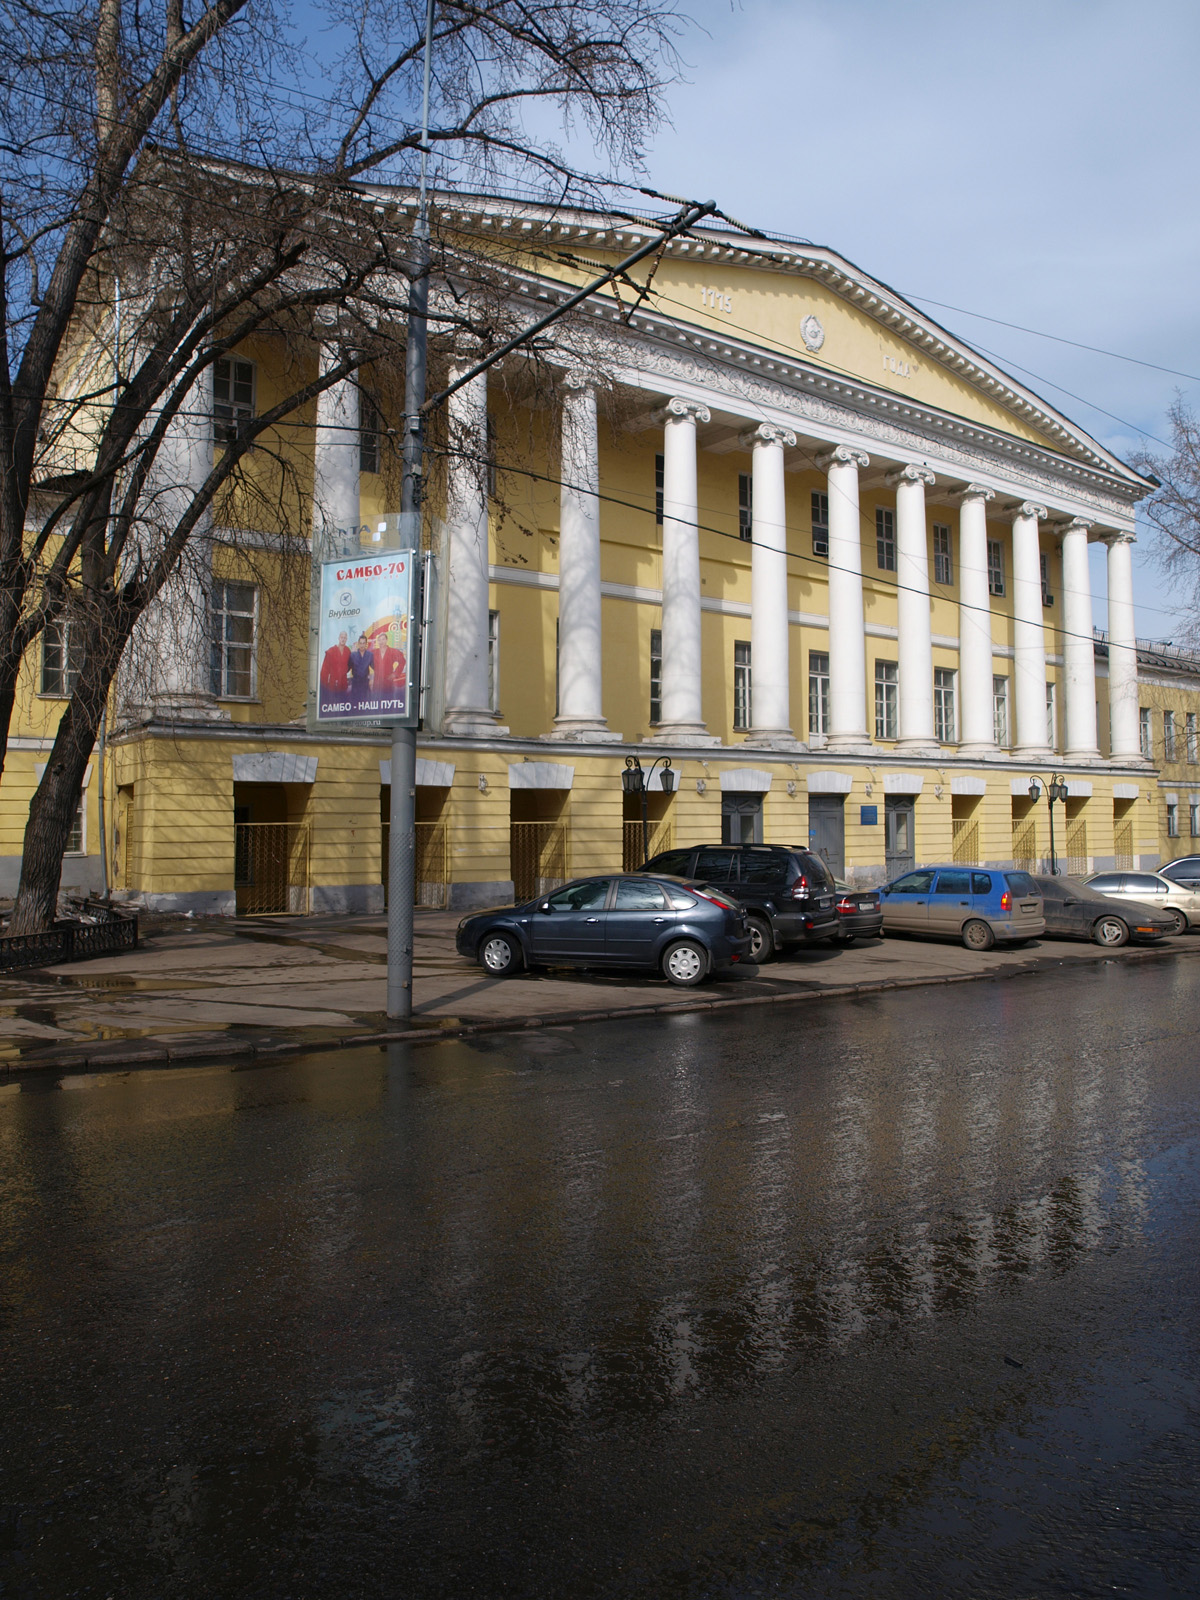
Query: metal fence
538, 857
1025, 847
1075, 857
965, 847
271, 868
111, 929
1123, 847
658, 837
431, 876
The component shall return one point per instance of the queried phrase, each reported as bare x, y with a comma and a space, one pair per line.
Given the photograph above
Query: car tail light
1006, 901
800, 888
846, 907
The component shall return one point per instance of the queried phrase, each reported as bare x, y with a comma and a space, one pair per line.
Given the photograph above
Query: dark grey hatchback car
685, 930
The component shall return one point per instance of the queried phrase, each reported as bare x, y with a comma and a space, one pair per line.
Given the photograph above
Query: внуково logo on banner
364, 645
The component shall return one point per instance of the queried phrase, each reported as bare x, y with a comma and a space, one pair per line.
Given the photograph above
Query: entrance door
899, 834
827, 830
741, 819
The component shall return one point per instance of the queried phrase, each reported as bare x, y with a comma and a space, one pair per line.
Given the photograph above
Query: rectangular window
1000, 711
369, 428
887, 691
1052, 715
818, 693
1147, 734
820, 523
494, 660
1047, 597
943, 560
233, 397
741, 684
885, 539
745, 506
944, 725
234, 626
61, 658
1172, 819
1189, 733
1194, 818
660, 479
655, 674
77, 838
995, 567
492, 469
1168, 736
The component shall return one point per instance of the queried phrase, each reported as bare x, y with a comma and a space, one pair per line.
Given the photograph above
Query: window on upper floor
745, 506
1000, 711
62, 657
818, 694
887, 699
660, 479
1047, 597
655, 674
1168, 736
885, 539
943, 560
995, 558
742, 687
370, 427
233, 397
1147, 733
234, 636
1052, 715
494, 660
1189, 733
820, 523
945, 725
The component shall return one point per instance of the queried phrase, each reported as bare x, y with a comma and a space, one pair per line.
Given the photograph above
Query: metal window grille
369, 429
1168, 736
271, 868
1025, 846
62, 657
995, 558
659, 836
1147, 733
887, 690
885, 539
1075, 861
745, 506
655, 674
943, 560
1123, 847
944, 722
233, 397
742, 684
820, 523
234, 635
494, 660
431, 877
818, 693
537, 857
965, 842
1000, 711
660, 480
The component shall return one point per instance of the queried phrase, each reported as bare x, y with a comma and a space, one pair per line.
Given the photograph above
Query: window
660, 478
1052, 715
1194, 819
957, 882
945, 730
62, 657
77, 838
1172, 819
887, 684
1168, 736
1147, 734
234, 624
943, 560
818, 693
1047, 597
634, 894
885, 539
492, 470
745, 506
656, 677
590, 896
741, 684
1189, 733
494, 660
820, 523
715, 866
1000, 711
981, 883
995, 567
369, 428
233, 397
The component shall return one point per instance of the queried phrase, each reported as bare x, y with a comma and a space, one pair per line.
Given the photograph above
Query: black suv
788, 892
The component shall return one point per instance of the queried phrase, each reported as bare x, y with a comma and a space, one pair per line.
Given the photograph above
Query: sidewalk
273, 986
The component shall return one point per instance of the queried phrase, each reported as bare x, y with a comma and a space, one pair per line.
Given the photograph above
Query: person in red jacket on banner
335, 669
392, 675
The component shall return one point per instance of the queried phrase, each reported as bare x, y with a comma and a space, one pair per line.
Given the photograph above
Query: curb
199, 1052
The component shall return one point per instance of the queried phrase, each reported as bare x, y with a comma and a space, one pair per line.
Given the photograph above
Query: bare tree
1174, 509
197, 168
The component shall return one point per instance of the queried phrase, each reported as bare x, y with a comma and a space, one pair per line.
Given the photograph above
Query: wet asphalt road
888, 1298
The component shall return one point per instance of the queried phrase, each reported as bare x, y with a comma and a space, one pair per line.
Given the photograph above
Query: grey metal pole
401, 865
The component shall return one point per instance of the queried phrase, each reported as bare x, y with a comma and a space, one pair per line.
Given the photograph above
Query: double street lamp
1056, 789
635, 781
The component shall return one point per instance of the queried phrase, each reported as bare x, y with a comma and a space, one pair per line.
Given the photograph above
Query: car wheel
685, 964
762, 941
1110, 931
1179, 923
500, 955
978, 936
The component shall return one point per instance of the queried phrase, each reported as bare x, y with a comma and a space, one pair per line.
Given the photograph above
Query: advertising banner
366, 639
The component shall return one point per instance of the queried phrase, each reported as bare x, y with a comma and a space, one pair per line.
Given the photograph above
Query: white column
847, 634
915, 643
770, 722
468, 702
1079, 654
1029, 641
977, 723
682, 718
580, 696
335, 465
1122, 652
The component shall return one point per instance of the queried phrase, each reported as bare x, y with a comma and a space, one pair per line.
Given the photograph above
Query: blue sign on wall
868, 816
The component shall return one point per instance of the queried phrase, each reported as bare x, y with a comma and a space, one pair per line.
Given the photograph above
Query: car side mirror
545, 908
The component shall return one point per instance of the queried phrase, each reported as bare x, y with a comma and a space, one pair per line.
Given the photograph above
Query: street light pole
635, 781
1056, 789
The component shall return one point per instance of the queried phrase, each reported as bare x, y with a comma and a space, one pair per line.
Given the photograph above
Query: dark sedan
683, 929
1073, 911
859, 913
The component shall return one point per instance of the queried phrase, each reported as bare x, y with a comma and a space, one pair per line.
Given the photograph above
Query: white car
1178, 901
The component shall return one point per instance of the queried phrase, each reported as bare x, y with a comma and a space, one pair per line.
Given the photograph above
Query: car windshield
1020, 883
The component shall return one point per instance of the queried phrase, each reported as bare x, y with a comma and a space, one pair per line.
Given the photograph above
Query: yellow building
772, 524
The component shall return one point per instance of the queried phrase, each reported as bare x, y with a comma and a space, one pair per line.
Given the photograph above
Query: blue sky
1034, 162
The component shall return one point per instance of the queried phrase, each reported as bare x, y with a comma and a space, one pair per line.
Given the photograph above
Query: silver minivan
978, 905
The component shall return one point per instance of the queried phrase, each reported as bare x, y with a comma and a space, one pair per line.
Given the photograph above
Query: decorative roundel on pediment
812, 333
